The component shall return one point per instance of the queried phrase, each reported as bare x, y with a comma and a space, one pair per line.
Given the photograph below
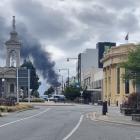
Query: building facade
115, 89
102, 47
92, 82
86, 60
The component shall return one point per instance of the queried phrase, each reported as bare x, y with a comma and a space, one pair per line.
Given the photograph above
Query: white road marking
74, 129
26, 118
136, 131
137, 138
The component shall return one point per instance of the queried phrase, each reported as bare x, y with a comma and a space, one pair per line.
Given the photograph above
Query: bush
15, 108
33, 100
37, 100
3, 109
133, 101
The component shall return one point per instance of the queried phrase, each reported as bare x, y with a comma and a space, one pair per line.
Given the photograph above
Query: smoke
41, 59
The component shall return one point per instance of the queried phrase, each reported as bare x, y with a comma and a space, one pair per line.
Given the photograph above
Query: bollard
104, 108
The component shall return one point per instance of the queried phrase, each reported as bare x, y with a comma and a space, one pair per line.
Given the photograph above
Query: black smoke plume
41, 59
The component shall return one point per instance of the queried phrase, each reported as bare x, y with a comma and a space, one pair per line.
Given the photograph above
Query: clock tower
13, 46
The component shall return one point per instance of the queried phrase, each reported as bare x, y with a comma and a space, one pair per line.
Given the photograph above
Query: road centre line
26, 118
74, 129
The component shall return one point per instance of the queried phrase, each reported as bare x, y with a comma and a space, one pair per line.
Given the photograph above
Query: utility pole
28, 85
17, 88
68, 73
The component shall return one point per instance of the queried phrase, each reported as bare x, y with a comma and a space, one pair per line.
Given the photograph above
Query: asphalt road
62, 123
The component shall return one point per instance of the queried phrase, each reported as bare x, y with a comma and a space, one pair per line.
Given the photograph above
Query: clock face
13, 58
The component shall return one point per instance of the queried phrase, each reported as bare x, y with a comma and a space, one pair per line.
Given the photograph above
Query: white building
89, 75
87, 60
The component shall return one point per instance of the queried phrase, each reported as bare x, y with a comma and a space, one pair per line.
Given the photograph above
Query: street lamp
62, 83
73, 58
65, 69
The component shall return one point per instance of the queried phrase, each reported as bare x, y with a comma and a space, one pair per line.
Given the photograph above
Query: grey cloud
97, 16
128, 22
119, 4
76, 41
46, 22
105, 20
107, 24
4, 31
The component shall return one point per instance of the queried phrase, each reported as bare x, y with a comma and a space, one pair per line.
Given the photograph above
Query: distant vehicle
51, 99
60, 97
45, 97
57, 98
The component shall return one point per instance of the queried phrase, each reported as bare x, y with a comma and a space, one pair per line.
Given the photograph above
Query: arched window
12, 88
13, 58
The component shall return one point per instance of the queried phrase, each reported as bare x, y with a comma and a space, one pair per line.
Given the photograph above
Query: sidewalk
114, 116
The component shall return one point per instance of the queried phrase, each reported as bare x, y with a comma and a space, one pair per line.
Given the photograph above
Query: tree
132, 67
49, 91
132, 72
72, 92
34, 79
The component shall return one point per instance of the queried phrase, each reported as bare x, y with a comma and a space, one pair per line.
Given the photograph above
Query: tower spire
14, 23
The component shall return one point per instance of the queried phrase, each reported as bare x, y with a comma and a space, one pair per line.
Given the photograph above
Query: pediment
10, 71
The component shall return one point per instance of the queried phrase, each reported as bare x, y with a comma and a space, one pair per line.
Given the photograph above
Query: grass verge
18, 107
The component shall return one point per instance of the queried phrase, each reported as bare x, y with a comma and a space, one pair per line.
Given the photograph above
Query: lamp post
74, 58
81, 95
62, 84
65, 69
17, 85
29, 93
3, 87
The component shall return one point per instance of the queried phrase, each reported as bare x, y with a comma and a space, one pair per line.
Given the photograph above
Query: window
118, 80
126, 86
12, 88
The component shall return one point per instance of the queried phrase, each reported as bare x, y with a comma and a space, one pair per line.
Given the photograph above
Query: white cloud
56, 53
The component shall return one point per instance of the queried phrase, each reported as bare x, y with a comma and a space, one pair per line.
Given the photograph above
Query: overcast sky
67, 27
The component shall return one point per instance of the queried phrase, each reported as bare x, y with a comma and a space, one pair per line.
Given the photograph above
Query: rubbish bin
104, 108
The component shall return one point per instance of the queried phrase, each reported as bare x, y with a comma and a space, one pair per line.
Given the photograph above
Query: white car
56, 98
45, 97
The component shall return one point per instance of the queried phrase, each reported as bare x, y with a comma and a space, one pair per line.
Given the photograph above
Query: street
62, 123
